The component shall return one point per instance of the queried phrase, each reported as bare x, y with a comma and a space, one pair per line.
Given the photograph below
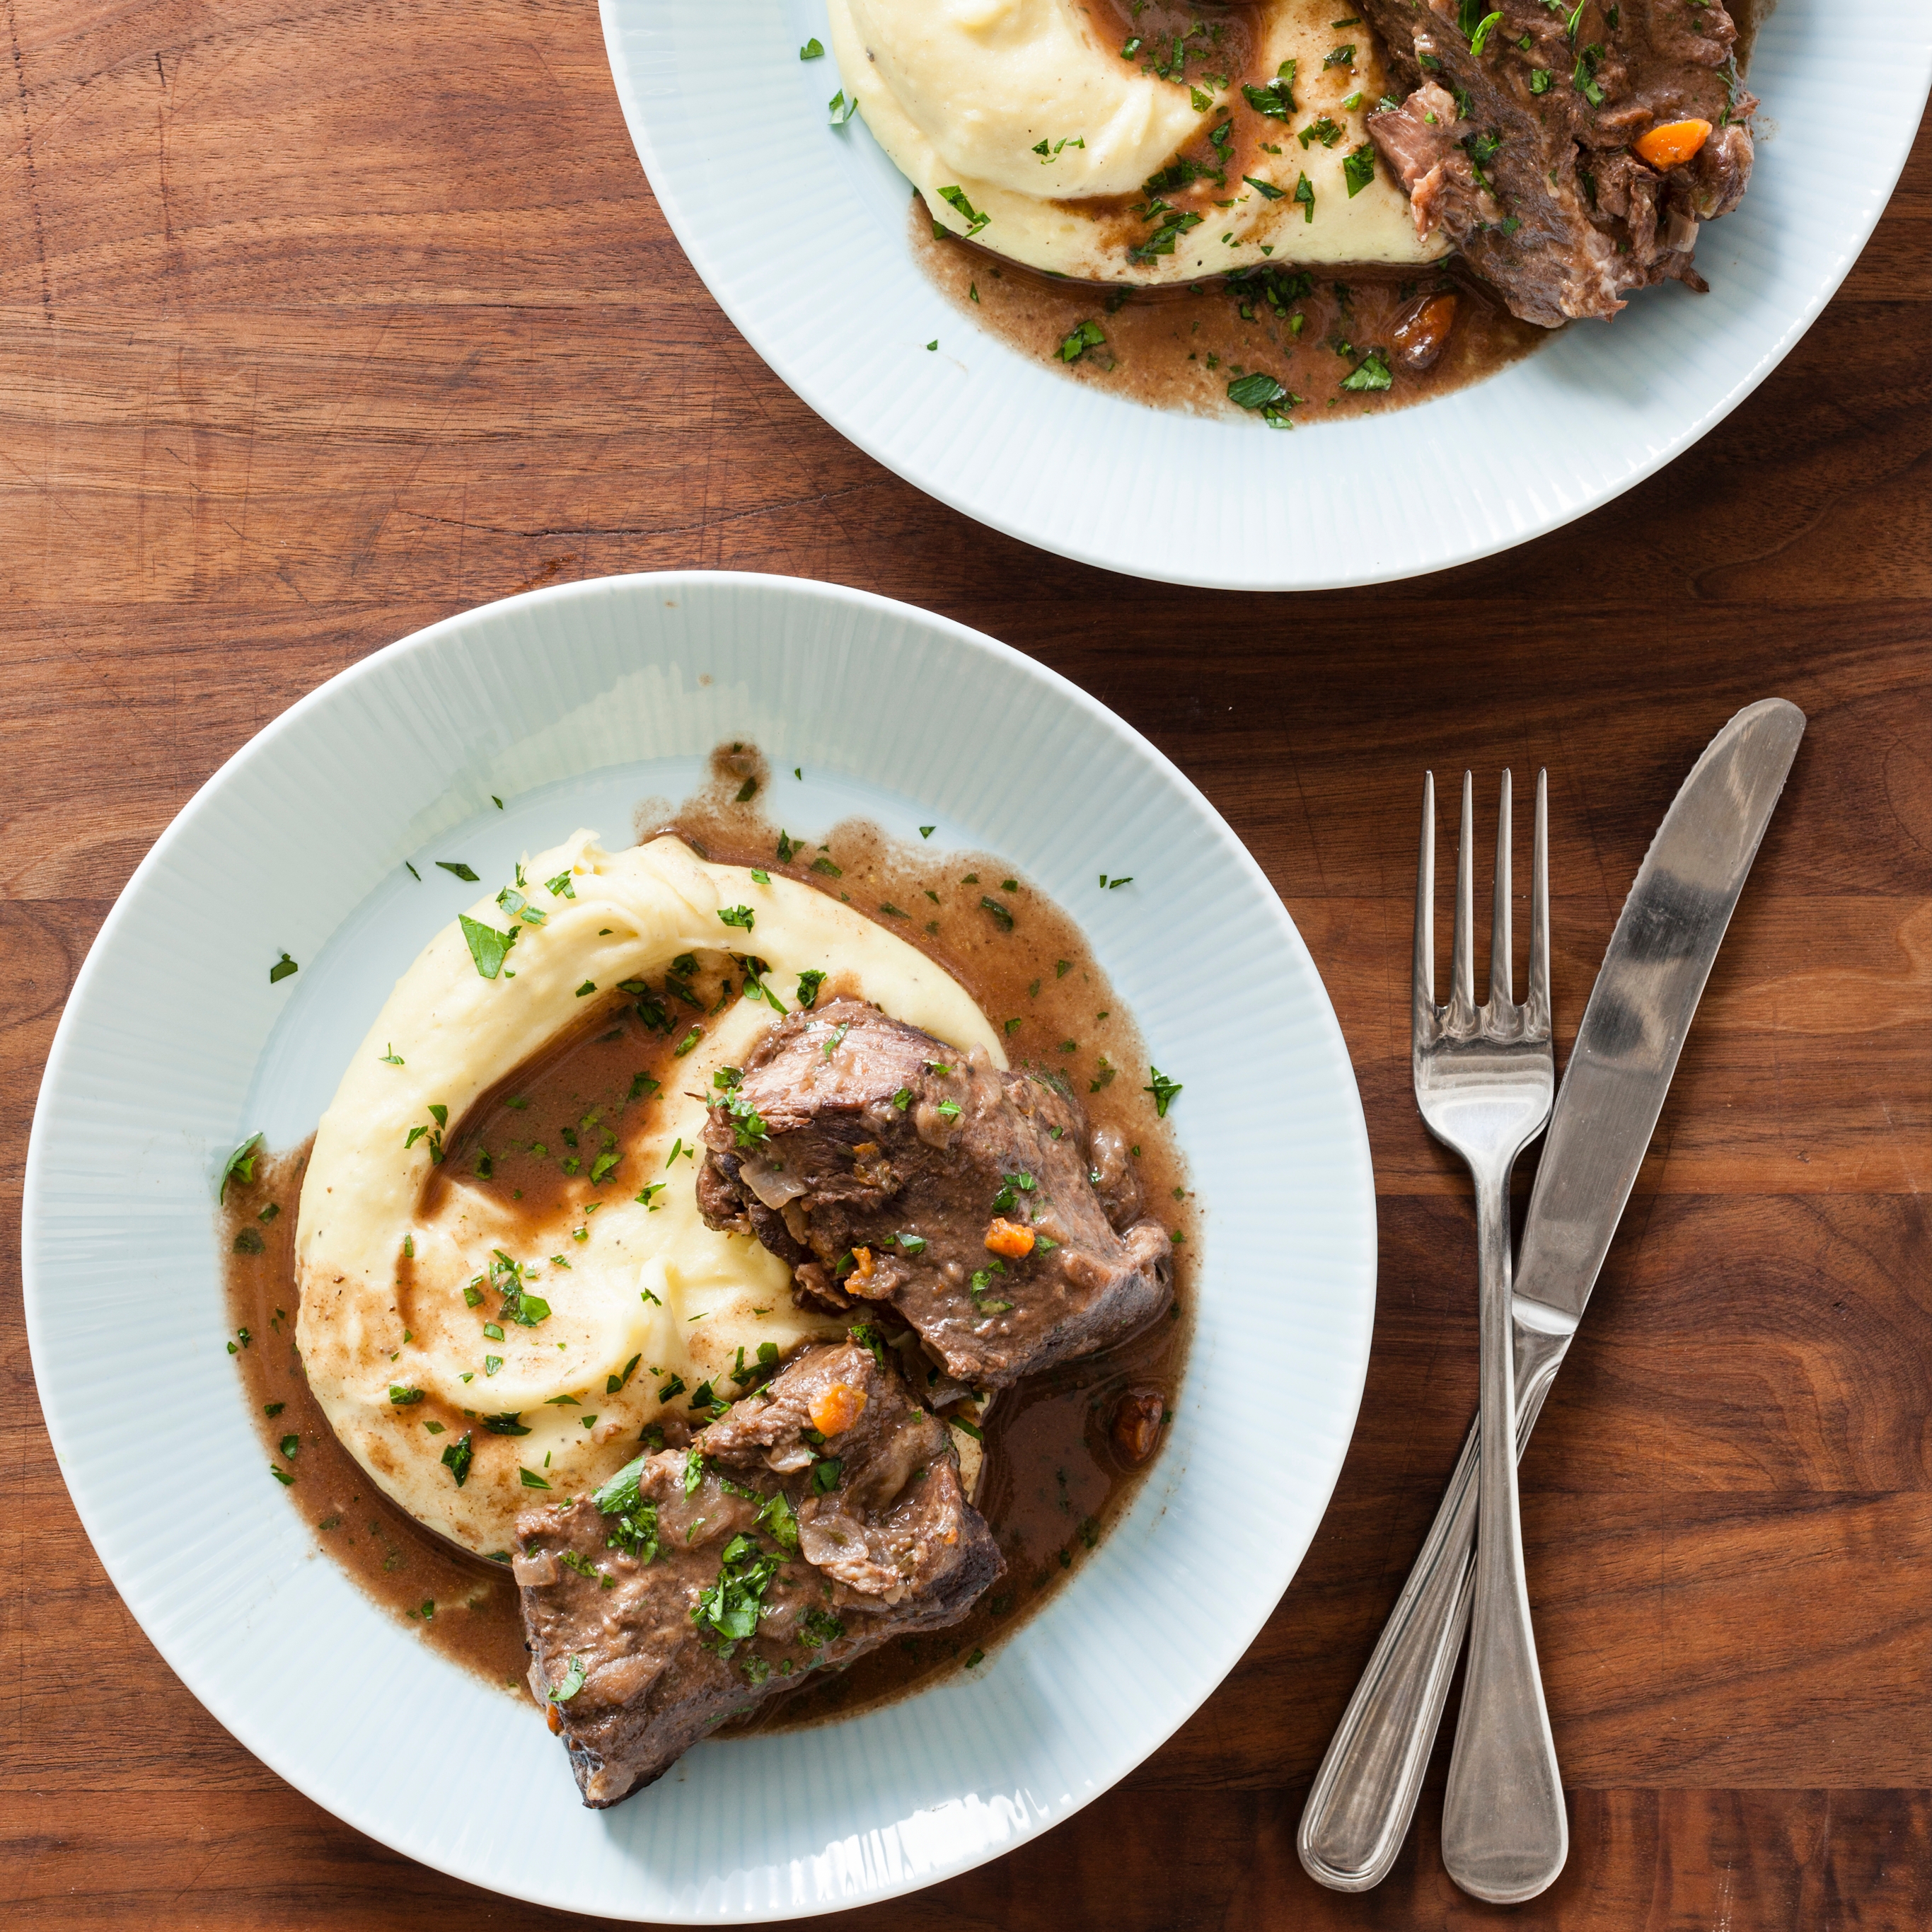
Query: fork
1485, 1077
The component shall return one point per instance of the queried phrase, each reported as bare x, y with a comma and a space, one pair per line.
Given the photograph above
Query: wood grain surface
320, 319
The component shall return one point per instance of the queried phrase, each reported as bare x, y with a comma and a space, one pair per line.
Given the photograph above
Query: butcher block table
321, 319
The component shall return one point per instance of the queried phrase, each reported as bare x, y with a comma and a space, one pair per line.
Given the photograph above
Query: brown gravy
1053, 1483
1179, 348
465, 1608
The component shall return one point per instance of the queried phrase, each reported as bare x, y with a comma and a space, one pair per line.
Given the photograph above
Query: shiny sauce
1181, 347
1064, 1452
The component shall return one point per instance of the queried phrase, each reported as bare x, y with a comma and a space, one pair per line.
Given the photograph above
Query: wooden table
320, 322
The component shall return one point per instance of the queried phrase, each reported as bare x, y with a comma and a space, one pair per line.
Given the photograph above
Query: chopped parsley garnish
458, 869
912, 1244
1001, 917
612, 1383
675, 1386
955, 197
1163, 1090
1305, 195
822, 865
573, 1679
642, 1087
980, 1288
819, 1627
457, 1459
948, 1109
694, 1468
560, 887
1276, 100
927, 831
1339, 56
281, 1476
488, 947
766, 1363
392, 1058
635, 1531
1539, 80
1272, 400
842, 109
272, 1409
1372, 374
506, 1277
811, 50
1479, 39
1358, 168
825, 1474
1170, 224
240, 1165
404, 1398
777, 1518
505, 1425
690, 1040
532, 1481
1088, 335
1266, 189
289, 1445
249, 1242
731, 1606
738, 916
281, 969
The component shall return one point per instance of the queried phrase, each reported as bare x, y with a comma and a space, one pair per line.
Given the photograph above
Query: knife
1619, 1071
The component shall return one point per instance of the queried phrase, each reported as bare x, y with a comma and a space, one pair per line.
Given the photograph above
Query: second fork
1485, 1078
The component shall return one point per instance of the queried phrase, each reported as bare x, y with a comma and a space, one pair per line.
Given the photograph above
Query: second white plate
800, 232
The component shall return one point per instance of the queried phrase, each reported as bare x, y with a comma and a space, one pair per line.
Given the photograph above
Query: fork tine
1500, 993
1422, 1020
1462, 970
1539, 912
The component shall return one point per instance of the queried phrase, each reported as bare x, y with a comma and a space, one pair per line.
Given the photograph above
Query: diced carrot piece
1673, 143
1009, 1238
834, 1409
864, 1277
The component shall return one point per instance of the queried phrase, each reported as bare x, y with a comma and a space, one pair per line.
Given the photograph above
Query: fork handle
1504, 1833
1364, 1794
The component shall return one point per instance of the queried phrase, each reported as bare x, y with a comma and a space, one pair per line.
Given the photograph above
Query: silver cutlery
1614, 1087
1484, 1078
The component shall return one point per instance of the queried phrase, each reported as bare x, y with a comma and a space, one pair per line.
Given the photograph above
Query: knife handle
1364, 1796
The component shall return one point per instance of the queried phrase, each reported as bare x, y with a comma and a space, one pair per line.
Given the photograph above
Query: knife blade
1633, 1028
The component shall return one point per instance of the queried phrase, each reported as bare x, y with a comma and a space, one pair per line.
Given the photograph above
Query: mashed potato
394, 1300
1050, 139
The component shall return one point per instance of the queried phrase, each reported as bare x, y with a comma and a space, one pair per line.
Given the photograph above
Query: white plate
574, 704
800, 232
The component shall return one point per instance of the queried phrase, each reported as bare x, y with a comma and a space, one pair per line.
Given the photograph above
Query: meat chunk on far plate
1570, 153
888, 1167
821, 1517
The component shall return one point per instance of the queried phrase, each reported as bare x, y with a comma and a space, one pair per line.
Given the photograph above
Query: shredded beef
1542, 192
